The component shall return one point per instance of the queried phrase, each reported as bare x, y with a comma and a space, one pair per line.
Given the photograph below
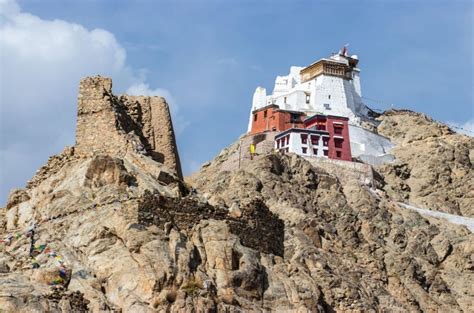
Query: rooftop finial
344, 51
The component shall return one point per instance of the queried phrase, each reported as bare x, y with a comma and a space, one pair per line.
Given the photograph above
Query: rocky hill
113, 227
434, 165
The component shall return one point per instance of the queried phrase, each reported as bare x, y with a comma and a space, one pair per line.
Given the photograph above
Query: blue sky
208, 57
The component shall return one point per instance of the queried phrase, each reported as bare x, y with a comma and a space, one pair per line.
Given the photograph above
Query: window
337, 130
321, 127
278, 143
325, 142
314, 140
338, 154
327, 106
295, 117
274, 129
255, 117
265, 114
315, 151
284, 100
325, 152
329, 97
338, 143
287, 140
307, 99
304, 150
304, 139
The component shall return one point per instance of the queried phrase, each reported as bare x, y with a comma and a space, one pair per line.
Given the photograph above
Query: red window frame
304, 138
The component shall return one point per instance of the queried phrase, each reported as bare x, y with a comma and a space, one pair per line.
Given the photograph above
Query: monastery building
326, 92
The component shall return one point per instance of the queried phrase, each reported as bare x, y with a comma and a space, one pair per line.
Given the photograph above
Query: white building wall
259, 101
295, 101
259, 98
345, 95
284, 84
331, 91
365, 142
296, 146
327, 95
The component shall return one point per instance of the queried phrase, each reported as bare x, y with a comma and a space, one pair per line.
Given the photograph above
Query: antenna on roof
344, 51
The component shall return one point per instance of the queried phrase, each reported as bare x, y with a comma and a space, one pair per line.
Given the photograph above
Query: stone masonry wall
107, 124
96, 130
154, 114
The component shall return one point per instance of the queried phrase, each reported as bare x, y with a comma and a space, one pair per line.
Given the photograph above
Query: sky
207, 57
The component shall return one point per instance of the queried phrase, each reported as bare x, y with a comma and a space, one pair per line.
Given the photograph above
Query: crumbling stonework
107, 124
154, 114
54, 164
257, 227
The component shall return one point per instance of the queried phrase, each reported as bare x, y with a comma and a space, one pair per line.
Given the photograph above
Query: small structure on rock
116, 125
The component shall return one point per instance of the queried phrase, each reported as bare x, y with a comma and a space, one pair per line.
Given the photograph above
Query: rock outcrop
108, 226
433, 167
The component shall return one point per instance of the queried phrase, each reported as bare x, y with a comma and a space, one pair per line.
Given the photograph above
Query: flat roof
266, 107
301, 130
325, 116
278, 109
323, 60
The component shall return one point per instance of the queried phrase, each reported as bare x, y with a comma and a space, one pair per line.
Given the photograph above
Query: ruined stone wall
107, 124
97, 129
154, 114
257, 227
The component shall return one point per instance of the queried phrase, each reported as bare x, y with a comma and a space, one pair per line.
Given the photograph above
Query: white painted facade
324, 94
292, 143
365, 142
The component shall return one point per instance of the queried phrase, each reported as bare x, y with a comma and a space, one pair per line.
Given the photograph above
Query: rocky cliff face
434, 165
122, 232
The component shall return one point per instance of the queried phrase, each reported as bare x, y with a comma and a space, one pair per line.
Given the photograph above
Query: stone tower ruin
117, 125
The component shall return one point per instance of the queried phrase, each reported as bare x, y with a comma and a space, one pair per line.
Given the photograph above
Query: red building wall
271, 118
337, 126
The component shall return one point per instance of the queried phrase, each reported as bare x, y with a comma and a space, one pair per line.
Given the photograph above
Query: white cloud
143, 89
41, 63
